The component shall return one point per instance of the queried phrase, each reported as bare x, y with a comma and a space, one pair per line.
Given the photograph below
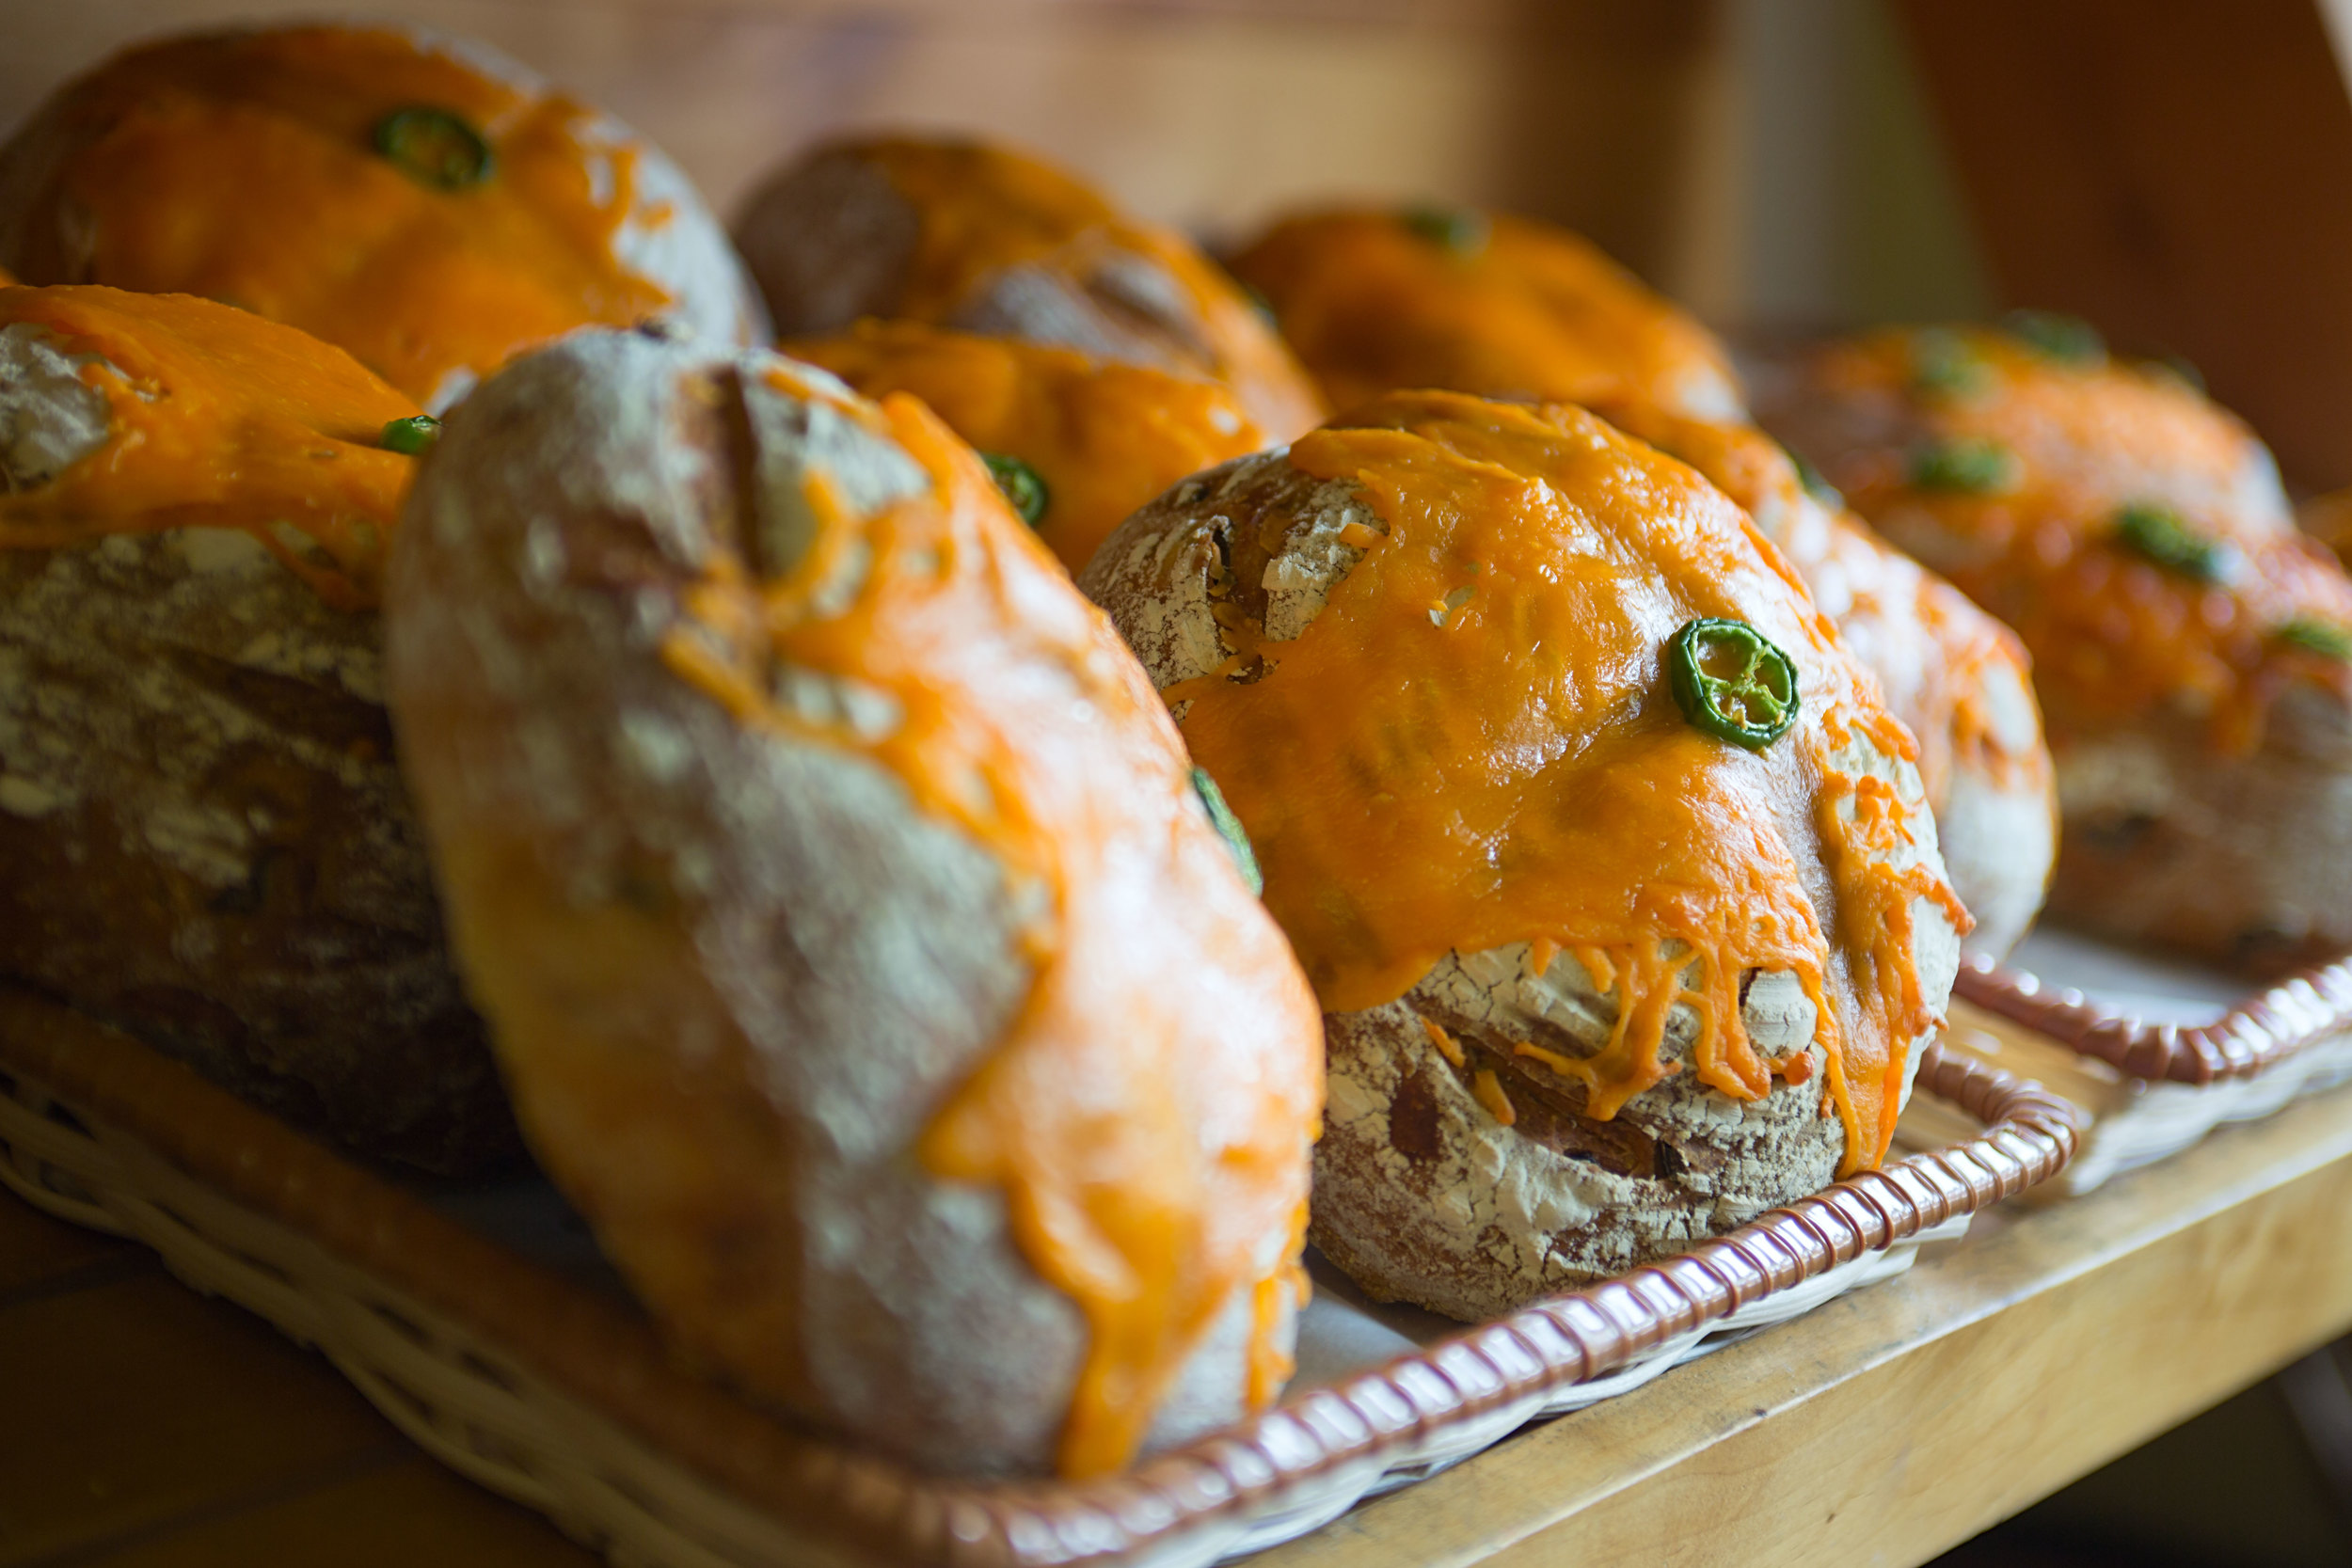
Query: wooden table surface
141, 1424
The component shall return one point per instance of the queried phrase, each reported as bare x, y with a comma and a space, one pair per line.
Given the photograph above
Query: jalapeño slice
1964, 466
1228, 827
1020, 484
2069, 340
1943, 365
1454, 229
2158, 534
1732, 683
411, 437
2324, 638
435, 148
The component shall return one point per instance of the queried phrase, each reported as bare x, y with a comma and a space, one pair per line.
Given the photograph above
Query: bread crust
1421, 1193
204, 840
735, 973
835, 236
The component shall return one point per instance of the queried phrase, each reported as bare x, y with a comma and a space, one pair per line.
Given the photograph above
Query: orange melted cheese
1928, 647
1529, 312
1106, 437
1517, 769
1147, 1113
2113, 636
216, 419
241, 167
984, 210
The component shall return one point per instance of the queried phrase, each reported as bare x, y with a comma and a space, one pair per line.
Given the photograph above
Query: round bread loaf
203, 838
417, 200
863, 963
1508, 307
1101, 437
2192, 650
961, 234
1597, 981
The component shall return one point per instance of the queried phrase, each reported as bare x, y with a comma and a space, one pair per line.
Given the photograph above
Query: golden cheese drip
984, 210
1147, 1112
1509, 309
240, 166
1106, 437
1474, 744
2113, 636
217, 419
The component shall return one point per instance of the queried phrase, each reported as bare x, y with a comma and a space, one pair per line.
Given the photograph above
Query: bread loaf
203, 838
1596, 981
985, 240
415, 199
2192, 650
863, 963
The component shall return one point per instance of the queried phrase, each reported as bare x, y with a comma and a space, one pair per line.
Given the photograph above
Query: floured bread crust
207, 843
735, 973
1422, 1193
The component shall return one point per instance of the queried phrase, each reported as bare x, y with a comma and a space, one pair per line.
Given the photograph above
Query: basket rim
594, 1351
2267, 1026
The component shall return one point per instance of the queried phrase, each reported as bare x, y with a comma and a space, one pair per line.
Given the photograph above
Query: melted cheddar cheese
217, 419
1474, 744
2115, 636
1106, 437
1930, 648
983, 210
1516, 309
1147, 1113
240, 166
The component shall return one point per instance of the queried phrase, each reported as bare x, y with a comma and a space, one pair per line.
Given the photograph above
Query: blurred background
2179, 171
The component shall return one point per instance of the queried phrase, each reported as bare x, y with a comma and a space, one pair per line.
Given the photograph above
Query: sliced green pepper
1966, 465
2324, 638
412, 436
1944, 366
1020, 484
435, 148
2069, 340
1458, 229
1816, 485
1732, 683
1228, 827
2158, 534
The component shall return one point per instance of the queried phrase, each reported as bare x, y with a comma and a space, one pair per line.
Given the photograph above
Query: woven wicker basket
557, 1395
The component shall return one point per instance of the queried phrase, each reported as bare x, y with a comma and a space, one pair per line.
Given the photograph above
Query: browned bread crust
735, 968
